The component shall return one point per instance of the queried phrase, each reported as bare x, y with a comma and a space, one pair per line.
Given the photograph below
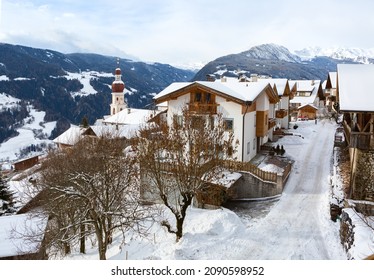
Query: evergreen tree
84, 122
6, 198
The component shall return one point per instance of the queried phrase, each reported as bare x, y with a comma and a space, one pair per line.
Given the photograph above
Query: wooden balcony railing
203, 108
281, 113
272, 123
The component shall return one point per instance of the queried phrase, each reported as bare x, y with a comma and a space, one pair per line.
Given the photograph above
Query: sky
182, 32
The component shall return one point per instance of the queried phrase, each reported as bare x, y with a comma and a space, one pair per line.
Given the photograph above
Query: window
177, 120
197, 122
197, 97
229, 124
203, 97
211, 122
254, 143
248, 147
255, 119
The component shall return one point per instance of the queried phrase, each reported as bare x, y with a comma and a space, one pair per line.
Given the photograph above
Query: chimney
128, 110
210, 77
254, 77
223, 79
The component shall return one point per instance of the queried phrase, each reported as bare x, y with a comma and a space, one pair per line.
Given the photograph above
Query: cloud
182, 31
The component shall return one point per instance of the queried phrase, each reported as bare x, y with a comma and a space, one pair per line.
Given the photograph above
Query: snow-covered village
220, 159
255, 167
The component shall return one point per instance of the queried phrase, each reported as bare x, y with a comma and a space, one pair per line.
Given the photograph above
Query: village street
298, 226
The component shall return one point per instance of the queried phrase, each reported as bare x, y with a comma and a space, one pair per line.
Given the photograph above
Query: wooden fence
237, 166
254, 170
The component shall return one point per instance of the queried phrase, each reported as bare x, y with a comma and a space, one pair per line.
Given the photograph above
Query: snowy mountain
271, 60
271, 51
358, 55
57, 88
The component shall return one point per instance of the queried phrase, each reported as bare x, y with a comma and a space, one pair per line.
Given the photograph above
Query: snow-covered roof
13, 230
305, 85
131, 116
310, 105
311, 86
112, 130
171, 88
333, 79
279, 83
356, 91
70, 136
239, 90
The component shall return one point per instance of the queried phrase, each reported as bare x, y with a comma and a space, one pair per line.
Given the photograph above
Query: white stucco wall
176, 106
284, 104
232, 110
262, 102
229, 110
250, 150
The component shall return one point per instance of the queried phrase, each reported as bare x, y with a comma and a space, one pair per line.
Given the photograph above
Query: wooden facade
307, 112
281, 113
202, 102
359, 130
26, 163
262, 123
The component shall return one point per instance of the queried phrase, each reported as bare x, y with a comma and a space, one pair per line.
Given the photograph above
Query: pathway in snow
299, 226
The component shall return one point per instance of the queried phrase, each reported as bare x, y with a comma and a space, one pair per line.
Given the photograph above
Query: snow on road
299, 226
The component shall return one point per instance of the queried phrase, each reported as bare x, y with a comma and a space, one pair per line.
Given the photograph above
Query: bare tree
90, 188
178, 161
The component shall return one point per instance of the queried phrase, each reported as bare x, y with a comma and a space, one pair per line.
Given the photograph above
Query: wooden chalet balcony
203, 108
272, 122
359, 140
264, 124
281, 113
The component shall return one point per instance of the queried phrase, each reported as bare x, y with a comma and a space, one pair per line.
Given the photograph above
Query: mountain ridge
341, 53
272, 60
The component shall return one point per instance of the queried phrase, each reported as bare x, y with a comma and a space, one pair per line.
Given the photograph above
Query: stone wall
249, 187
363, 179
347, 235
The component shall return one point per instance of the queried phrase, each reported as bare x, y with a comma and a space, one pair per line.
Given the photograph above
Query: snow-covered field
85, 78
34, 132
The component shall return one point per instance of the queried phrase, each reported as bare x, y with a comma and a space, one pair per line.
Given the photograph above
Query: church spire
118, 97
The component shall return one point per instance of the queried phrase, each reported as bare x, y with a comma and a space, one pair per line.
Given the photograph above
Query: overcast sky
184, 31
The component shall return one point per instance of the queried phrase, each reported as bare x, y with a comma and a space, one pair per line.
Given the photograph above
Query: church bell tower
118, 97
